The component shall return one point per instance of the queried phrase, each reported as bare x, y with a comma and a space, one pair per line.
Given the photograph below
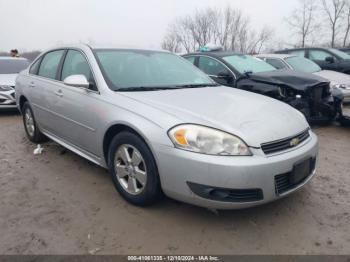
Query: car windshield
247, 63
302, 64
139, 70
340, 54
12, 66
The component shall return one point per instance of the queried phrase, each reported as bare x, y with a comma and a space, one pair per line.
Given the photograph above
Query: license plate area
301, 171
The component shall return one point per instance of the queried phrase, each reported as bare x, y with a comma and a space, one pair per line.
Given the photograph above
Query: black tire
35, 136
151, 192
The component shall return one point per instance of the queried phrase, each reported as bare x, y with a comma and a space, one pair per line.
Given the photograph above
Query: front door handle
59, 93
32, 84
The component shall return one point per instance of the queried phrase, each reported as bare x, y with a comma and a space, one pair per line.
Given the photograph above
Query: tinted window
298, 53
12, 66
35, 67
302, 64
319, 55
191, 59
247, 63
211, 66
50, 63
138, 68
276, 63
76, 64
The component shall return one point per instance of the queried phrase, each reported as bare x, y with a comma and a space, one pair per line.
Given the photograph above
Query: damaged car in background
310, 94
338, 80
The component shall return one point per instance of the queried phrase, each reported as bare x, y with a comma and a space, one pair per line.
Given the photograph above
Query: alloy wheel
130, 169
29, 122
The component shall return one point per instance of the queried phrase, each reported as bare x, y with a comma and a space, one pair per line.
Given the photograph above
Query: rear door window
50, 63
211, 66
276, 63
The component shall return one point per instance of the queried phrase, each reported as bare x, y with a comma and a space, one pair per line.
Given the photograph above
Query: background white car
9, 69
298, 63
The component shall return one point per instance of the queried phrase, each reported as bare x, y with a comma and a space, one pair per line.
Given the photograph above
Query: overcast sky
41, 24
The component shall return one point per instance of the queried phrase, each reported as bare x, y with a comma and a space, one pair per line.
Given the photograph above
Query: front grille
225, 194
13, 95
283, 182
284, 144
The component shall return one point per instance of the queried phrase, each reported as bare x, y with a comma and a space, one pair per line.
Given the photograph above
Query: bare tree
259, 39
227, 27
302, 20
172, 42
334, 11
347, 22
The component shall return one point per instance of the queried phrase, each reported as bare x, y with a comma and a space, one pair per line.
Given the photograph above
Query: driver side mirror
77, 81
330, 59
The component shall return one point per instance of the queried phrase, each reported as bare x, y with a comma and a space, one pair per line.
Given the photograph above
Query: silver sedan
9, 69
161, 126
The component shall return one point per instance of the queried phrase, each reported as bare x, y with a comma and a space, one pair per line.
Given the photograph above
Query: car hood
334, 76
296, 80
8, 79
255, 118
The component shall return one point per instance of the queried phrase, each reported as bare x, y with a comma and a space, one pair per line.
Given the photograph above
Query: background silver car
9, 69
160, 125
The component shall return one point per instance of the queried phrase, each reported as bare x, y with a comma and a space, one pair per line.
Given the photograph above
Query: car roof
302, 48
280, 56
104, 46
217, 54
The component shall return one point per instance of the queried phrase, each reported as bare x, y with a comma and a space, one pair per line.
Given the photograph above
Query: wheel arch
22, 100
117, 128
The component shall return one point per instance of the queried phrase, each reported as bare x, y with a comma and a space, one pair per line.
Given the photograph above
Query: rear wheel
133, 169
30, 125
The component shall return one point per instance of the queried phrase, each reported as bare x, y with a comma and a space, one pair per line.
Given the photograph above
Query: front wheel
30, 125
133, 169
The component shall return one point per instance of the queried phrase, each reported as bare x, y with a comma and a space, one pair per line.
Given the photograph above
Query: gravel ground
59, 203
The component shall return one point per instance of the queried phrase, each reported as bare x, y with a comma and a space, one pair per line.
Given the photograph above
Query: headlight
337, 85
5, 88
208, 141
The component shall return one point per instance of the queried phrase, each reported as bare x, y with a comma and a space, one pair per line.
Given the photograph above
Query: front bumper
180, 169
7, 99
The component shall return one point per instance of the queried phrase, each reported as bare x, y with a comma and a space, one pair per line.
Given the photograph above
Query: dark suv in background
326, 58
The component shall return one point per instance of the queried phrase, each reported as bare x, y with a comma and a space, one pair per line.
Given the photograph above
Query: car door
216, 70
320, 57
43, 80
76, 108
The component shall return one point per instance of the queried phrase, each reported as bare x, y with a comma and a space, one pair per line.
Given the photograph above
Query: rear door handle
59, 93
32, 84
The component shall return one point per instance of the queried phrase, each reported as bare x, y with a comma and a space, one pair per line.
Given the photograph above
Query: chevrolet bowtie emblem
294, 142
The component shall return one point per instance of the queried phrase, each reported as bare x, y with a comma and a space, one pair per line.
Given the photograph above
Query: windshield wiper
196, 85
155, 88
144, 88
